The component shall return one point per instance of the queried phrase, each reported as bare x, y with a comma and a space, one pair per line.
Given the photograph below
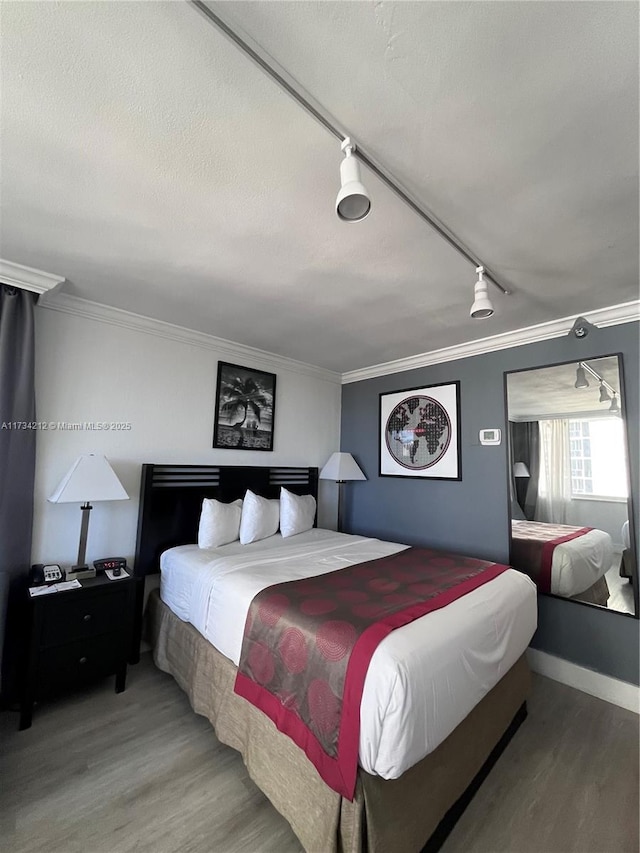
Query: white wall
606, 515
92, 370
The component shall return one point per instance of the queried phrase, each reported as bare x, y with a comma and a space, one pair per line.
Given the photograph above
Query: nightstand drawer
76, 636
76, 663
72, 618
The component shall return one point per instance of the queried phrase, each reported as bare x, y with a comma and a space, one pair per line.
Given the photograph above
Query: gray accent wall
471, 516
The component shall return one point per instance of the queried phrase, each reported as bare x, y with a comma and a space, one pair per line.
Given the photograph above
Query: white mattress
423, 678
626, 539
579, 563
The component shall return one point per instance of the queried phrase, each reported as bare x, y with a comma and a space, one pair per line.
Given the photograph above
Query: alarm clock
114, 564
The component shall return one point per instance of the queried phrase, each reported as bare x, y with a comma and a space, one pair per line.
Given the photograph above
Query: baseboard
587, 680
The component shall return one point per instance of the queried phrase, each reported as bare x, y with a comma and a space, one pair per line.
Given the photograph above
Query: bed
562, 559
415, 772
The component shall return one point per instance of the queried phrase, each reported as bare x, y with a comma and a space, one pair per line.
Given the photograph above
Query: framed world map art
420, 432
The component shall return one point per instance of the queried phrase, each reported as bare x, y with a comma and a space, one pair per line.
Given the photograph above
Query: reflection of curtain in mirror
554, 493
524, 446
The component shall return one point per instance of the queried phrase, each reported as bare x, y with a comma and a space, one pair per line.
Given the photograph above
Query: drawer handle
87, 617
82, 660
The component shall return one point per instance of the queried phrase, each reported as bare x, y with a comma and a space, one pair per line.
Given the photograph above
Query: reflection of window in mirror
598, 464
597, 458
570, 521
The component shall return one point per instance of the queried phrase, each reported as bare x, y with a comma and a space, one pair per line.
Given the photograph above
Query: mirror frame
630, 507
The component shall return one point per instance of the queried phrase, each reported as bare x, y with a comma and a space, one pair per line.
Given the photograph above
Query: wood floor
620, 590
139, 771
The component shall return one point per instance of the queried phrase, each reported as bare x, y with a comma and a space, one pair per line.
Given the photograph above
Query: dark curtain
525, 447
17, 467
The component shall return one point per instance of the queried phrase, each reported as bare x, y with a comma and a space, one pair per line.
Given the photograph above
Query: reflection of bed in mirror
563, 560
569, 467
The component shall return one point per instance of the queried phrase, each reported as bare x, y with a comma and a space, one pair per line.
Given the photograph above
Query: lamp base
80, 573
340, 487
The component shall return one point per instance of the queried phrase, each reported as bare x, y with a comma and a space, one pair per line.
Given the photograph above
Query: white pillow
260, 518
297, 512
219, 523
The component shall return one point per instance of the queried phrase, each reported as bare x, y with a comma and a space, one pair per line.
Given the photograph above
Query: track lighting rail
439, 227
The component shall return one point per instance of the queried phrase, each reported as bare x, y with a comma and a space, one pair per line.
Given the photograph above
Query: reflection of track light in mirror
614, 408
604, 394
581, 378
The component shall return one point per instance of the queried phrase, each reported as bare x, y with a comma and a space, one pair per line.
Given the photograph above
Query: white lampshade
520, 470
341, 467
90, 478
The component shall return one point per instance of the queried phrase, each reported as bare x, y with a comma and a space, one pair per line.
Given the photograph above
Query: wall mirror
569, 482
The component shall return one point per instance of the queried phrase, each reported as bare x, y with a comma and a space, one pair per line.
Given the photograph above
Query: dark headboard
171, 500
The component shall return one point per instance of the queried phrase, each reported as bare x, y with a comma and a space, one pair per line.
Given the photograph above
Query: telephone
45, 574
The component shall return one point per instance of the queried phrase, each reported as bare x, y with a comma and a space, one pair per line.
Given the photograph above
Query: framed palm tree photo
245, 408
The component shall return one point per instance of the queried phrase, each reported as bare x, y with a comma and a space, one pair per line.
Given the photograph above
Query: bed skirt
397, 814
598, 593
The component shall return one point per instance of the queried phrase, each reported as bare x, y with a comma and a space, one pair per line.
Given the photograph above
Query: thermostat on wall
490, 436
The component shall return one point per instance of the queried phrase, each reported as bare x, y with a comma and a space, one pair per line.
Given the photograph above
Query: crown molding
65, 303
78, 307
28, 278
587, 415
612, 316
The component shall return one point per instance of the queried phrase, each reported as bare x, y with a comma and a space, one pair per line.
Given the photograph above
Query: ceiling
148, 161
550, 391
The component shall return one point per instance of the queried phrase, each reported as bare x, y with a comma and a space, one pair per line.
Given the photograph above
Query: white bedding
626, 538
579, 563
423, 678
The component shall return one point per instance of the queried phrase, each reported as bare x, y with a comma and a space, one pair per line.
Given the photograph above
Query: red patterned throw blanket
533, 544
307, 645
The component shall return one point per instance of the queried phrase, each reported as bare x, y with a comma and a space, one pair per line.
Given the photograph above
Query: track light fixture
581, 378
604, 394
614, 407
482, 307
353, 202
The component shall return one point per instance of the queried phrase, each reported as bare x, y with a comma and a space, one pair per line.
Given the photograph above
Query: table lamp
90, 478
341, 467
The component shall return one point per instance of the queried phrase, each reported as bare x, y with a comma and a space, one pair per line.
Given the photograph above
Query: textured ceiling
162, 172
547, 391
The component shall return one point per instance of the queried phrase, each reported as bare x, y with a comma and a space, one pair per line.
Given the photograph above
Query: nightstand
75, 637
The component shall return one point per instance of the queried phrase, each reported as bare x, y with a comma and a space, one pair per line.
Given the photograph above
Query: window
598, 459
